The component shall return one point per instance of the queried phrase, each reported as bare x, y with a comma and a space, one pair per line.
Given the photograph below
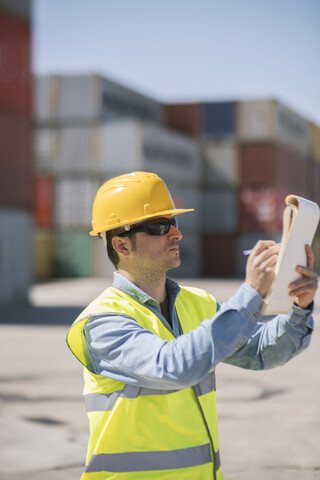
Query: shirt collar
121, 282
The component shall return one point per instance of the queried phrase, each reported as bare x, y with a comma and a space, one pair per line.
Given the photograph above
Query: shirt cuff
248, 301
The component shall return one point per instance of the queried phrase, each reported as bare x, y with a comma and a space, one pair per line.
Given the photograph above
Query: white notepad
300, 221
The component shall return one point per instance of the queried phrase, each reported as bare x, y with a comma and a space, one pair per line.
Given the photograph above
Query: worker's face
158, 251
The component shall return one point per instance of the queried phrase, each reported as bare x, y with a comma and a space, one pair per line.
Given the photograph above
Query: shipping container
15, 255
184, 117
261, 210
269, 165
43, 254
80, 150
190, 255
128, 145
15, 65
315, 141
16, 179
73, 203
219, 211
270, 121
88, 98
47, 150
219, 164
219, 255
18, 8
43, 212
73, 254
218, 120
246, 241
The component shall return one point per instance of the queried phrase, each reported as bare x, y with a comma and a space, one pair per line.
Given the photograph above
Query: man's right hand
260, 266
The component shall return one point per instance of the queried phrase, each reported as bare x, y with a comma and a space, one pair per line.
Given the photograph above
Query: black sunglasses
158, 226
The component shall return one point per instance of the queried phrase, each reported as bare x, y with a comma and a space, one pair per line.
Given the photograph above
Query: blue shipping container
218, 120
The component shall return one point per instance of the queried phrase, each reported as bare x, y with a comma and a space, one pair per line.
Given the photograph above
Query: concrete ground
269, 422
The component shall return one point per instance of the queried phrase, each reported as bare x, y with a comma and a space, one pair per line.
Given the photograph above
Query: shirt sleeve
122, 350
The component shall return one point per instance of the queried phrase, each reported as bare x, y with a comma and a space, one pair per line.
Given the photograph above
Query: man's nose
174, 232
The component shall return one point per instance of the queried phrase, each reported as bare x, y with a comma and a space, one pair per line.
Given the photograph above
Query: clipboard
300, 221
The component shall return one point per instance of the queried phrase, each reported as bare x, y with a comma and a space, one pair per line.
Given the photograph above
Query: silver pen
247, 252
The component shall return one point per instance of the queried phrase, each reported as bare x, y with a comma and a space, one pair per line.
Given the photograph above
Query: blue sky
188, 50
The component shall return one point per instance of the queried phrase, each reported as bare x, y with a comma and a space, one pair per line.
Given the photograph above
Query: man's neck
153, 286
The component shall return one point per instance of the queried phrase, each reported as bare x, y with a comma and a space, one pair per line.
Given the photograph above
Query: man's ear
122, 245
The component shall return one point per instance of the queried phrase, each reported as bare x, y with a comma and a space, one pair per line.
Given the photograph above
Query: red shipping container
261, 210
271, 165
15, 64
219, 253
16, 160
184, 117
44, 202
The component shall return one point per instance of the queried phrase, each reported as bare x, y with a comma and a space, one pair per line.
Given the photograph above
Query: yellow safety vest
141, 433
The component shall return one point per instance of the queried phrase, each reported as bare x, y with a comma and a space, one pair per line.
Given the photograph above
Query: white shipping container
47, 150
270, 121
80, 150
128, 145
73, 203
219, 212
220, 164
79, 98
15, 255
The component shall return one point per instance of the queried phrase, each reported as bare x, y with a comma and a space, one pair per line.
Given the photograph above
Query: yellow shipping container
43, 256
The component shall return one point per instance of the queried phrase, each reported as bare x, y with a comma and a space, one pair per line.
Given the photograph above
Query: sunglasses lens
161, 227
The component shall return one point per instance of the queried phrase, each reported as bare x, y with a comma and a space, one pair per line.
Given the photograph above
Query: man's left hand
304, 289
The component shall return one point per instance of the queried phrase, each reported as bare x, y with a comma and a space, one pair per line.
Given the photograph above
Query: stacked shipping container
16, 145
90, 129
253, 154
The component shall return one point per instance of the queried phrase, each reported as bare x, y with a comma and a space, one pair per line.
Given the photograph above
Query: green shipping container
74, 254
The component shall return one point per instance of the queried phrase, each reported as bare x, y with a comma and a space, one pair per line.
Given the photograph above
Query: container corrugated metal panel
184, 117
131, 145
44, 202
47, 94
170, 155
219, 212
247, 241
269, 165
270, 121
47, 148
121, 147
119, 101
73, 203
79, 150
219, 255
79, 98
102, 267
261, 210
190, 255
315, 141
74, 254
21, 9
16, 177
15, 255
15, 65
220, 164
43, 254
218, 120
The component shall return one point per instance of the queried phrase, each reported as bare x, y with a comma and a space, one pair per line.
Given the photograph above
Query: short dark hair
112, 254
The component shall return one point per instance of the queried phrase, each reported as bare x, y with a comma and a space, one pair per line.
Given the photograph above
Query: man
150, 347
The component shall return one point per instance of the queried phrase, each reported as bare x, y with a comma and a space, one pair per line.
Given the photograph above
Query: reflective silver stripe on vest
102, 402
217, 461
147, 461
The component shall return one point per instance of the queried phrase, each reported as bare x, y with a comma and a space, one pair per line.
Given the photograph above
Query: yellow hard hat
131, 198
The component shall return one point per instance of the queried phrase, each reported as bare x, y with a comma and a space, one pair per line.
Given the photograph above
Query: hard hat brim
173, 212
